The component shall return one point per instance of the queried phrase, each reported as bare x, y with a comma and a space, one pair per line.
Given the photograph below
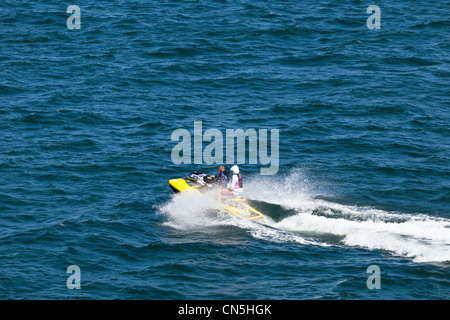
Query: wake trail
418, 236
301, 218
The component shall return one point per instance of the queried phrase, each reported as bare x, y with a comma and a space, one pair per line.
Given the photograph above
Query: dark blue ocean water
86, 118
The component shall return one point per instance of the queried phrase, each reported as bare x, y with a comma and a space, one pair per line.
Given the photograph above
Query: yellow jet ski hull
183, 184
237, 207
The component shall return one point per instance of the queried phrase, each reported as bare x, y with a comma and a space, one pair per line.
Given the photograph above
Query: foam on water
188, 211
420, 237
202, 212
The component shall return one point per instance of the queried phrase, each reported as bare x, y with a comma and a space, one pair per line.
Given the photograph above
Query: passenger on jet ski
235, 186
222, 177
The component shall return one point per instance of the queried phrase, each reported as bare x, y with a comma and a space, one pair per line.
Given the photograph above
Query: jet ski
200, 182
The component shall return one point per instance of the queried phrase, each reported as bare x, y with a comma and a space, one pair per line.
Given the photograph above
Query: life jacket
240, 181
221, 179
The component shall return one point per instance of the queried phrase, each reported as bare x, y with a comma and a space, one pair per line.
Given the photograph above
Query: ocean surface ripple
86, 118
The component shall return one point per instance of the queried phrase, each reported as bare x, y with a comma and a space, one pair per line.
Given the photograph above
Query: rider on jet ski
235, 185
221, 178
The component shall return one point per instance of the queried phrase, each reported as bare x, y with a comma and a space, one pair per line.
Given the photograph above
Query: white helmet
235, 169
